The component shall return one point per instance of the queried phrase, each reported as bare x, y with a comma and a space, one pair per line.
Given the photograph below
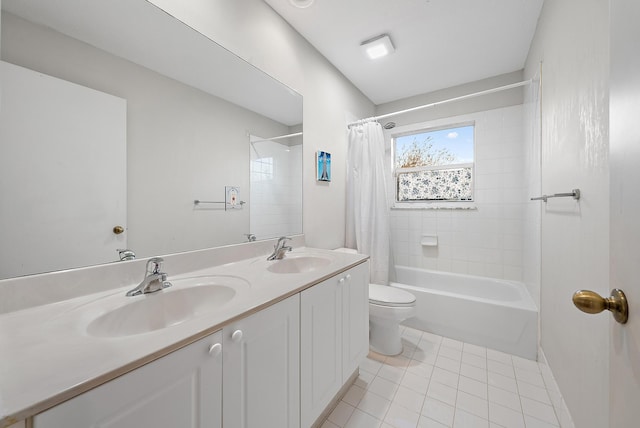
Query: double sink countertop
53, 352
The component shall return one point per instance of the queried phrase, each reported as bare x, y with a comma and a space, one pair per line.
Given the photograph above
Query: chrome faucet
279, 249
153, 281
126, 254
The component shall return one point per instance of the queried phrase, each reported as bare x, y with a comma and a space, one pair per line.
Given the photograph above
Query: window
435, 164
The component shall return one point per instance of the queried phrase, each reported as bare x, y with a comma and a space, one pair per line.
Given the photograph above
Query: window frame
396, 172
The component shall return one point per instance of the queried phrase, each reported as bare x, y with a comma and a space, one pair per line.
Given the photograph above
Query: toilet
388, 307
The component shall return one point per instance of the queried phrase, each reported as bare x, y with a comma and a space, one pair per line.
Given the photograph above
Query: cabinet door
261, 379
320, 347
183, 389
355, 318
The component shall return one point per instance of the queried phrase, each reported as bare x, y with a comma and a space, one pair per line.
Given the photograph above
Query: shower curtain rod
437, 103
280, 137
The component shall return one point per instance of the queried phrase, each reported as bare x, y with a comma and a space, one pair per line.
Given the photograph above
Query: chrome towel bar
198, 202
575, 194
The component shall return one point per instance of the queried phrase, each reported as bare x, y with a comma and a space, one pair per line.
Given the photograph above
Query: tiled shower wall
486, 240
276, 189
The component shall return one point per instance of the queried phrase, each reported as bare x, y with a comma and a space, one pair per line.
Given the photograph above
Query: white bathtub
488, 312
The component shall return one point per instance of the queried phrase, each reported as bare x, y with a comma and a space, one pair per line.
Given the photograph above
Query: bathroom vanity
278, 352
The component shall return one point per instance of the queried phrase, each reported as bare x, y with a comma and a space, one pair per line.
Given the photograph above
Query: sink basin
298, 264
185, 300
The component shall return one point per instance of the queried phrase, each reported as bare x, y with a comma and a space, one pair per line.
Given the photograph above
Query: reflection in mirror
276, 186
116, 114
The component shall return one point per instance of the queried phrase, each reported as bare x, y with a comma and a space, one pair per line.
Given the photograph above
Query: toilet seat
385, 295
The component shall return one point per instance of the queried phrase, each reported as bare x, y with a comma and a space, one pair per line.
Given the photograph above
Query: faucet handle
154, 265
282, 240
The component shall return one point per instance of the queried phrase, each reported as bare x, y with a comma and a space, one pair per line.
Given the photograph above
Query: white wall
252, 30
486, 240
572, 40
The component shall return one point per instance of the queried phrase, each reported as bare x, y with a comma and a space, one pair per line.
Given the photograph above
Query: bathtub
488, 312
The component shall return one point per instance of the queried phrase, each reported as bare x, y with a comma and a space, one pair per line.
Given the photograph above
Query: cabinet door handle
215, 349
237, 336
348, 277
341, 281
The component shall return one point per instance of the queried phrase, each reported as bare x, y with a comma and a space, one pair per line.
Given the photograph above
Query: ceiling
439, 43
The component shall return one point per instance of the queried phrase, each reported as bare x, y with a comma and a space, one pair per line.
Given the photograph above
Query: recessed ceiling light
378, 46
301, 3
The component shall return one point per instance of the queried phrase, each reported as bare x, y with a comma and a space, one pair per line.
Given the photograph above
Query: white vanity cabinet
334, 337
182, 389
261, 378
278, 367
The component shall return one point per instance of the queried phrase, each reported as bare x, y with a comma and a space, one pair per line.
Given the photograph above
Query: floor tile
425, 422
439, 382
445, 377
451, 343
464, 419
442, 392
503, 382
415, 382
505, 416
504, 398
473, 372
475, 349
401, 417
341, 414
529, 377
329, 424
447, 364
501, 368
383, 387
374, 405
534, 392
501, 357
474, 360
531, 422
438, 411
394, 374
364, 379
452, 353
398, 361
360, 419
409, 399
354, 395
525, 364
538, 410
420, 368
472, 404
472, 386
370, 365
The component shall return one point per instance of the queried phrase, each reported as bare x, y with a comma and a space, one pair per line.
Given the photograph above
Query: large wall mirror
115, 118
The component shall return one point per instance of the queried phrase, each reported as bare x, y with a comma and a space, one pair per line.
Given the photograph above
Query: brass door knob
592, 303
118, 230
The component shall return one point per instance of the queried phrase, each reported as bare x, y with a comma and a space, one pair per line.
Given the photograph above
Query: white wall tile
487, 241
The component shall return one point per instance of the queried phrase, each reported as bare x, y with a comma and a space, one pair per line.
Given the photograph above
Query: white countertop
47, 356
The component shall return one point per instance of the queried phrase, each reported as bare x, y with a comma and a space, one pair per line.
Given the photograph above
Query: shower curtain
367, 204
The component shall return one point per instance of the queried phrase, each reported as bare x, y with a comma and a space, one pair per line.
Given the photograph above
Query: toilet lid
390, 296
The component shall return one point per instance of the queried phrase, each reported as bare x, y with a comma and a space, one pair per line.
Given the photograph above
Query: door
261, 379
183, 389
624, 160
59, 211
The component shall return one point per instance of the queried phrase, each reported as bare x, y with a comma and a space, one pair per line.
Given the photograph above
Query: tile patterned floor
438, 382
